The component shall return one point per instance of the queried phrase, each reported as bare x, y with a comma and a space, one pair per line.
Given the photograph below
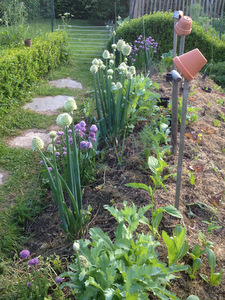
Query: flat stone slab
47, 105
66, 83
3, 176
24, 140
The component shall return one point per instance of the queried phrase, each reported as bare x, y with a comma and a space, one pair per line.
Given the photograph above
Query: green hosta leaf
211, 260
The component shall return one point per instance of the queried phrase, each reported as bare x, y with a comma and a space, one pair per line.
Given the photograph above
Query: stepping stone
66, 83
24, 140
3, 176
47, 105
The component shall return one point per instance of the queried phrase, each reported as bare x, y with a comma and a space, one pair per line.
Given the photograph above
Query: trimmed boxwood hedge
160, 26
21, 67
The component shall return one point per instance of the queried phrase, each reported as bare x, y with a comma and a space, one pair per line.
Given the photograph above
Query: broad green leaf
156, 218
171, 210
170, 247
211, 260
196, 250
153, 164
196, 265
216, 278
97, 233
138, 186
182, 251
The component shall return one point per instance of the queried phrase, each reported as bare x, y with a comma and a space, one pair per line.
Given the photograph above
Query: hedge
160, 26
21, 67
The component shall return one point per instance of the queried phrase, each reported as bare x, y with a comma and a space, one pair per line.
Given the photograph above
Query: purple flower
83, 145
82, 124
57, 153
50, 169
77, 127
58, 142
94, 128
64, 148
81, 134
41, 163
89, 145
33, 262
70, 141
94, 140
91, 135
28, 284
70, 131
58, 280
60, 133
24, 253
64, 153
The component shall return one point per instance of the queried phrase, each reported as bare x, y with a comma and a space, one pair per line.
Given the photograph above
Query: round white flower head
122, 65
111, 62
113, 84
52, 134
125, 60
94, 69
83, 261
102, 67
109, 71
129, 75
76, 246
114, 33
114, 46
95, 62
110, 77
126, 49
132, 69
50, 148
100, 62
37, 143
70, 104
111, 56
106, 54
120, 45
119, 17
119, 85
64, 120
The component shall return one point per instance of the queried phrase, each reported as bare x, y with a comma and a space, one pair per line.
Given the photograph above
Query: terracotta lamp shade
183, 26
190, 63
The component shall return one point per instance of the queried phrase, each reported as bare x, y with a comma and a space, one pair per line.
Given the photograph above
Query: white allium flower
126, 49
83, 261
102, 67
122, 65
120, 44
76, 246
106, 54
113, 84
52, 134
70, 104
129, 75
125, 60
94, 69
109, 71
119, 85
110, 77
100, 62
114, 46
37, 143
95, 62
50, 148
64, 120
114, 33
111, 56
111, 62
132, 69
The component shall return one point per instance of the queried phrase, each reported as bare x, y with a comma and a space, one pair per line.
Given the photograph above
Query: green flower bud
132, 69
110, 72
106, 54
114, 33
76, 246
37, 144
95, 62
50, 148
126, 49
114, 46
64, 120
111, 62
94, 69
120, 45
102, 67
83, 261
52, 134
70, 104
100, 62
110, 77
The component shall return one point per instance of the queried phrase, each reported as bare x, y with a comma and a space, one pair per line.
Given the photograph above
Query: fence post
52, 15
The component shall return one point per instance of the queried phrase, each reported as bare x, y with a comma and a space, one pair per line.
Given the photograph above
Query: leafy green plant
214, 278
211, 226
217, 123
222, 117
195, 255
220, 102
176, 245
127, 268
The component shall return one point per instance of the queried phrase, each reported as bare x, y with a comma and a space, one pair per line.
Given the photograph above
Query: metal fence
212, 8
87, 42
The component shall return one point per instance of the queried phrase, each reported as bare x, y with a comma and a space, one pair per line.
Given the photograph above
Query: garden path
45, 105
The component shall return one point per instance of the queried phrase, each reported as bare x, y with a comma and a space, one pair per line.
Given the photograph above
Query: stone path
44, 105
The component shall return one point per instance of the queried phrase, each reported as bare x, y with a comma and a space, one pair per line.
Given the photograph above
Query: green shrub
21, 67
218, 73
160, 26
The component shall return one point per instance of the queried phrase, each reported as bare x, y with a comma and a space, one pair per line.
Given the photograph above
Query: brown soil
209, 189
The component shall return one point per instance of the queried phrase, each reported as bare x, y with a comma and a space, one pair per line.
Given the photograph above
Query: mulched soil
109, 188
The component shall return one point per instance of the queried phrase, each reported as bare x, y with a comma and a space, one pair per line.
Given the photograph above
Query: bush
160, 26
21, 67
218, 73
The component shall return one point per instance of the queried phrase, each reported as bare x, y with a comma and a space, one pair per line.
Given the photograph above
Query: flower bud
120, 45
83, 261
132, 69
76, 246
110, 72
94, 69
126, 49
95, 62
37, 144
64, 120
70, 104
129, 75
52, 134
119, 85
106, 54
114, 46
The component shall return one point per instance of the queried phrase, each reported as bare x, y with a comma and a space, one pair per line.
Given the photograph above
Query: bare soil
196, 201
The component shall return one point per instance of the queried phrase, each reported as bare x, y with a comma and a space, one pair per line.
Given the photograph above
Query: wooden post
222, 9
147, 7
181, 144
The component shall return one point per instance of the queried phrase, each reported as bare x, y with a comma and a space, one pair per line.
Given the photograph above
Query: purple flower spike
58, 280
94, 140
41, 163
77, 127
57, 154
50, 169
64, 148
70, 131
60, 133
64, 153
82, 124
33, 262
89, 145
24, 253
28, 284
58, 142
94, 128
91, 135
83, 145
